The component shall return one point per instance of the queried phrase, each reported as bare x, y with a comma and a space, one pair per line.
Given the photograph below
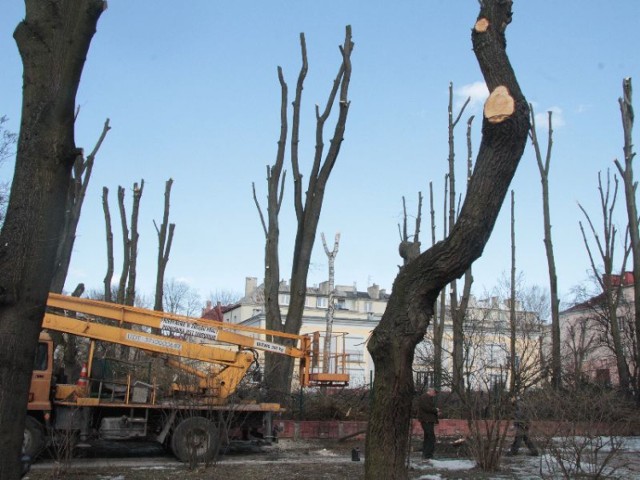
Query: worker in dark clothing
428, 416
521, 424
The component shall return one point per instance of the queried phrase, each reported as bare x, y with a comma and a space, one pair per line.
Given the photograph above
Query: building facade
587, 345
355, 316
357, 313
486, 348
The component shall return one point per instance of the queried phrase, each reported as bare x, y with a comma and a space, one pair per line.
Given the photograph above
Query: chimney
250, 285
374, 291
324, 288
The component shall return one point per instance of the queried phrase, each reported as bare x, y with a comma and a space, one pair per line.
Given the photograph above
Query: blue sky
192, 93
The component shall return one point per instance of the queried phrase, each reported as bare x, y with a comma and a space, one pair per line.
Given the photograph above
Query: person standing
428, 416
521, 424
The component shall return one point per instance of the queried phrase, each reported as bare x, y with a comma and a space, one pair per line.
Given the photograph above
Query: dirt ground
312, 460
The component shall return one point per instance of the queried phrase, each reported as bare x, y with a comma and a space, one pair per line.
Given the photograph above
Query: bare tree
165, 239
224, 297
80, 177
457, 314
411, 304
181, 298
630, 187
331, 256
127, 283
612, 291
543, 167
53, 40
109, 237
279, 369
513, 364
130, 297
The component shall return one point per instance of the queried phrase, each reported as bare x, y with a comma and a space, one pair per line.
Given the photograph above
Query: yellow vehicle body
217, 356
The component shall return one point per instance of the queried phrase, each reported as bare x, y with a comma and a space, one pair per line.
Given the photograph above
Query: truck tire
33, 442
195, 440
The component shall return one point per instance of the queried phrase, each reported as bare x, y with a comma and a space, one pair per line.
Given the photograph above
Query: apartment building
486, 346
355, 316
586, 342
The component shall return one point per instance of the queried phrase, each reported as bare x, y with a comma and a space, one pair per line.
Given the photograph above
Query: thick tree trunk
410, 307
53, 40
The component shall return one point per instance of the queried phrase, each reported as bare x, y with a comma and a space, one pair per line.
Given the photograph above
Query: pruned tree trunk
109, 238
630, 187
126, 248
543, 167
130, 297
411, 304
53, 40
439, 313
410, 247
513, 326
80, 177
457, 316
165, 239
331, 257
279, 369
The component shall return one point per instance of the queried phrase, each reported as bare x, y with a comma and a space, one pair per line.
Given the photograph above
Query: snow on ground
441, 464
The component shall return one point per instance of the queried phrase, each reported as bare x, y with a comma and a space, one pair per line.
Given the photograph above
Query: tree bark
543, 167
416, 287
53, 41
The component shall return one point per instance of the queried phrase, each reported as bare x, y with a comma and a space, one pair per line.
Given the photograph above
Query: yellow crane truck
117, 400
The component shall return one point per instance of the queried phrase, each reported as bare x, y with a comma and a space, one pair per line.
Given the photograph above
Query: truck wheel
33, 442
195, 439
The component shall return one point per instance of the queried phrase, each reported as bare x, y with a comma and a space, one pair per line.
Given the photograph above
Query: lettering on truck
176, 326
133, 337
272, 347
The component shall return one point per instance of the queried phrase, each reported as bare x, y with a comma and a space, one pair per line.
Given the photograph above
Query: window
368, 307
603, 377
42, 354
284, 299
495, 354
322, 302
497, 382
425, 379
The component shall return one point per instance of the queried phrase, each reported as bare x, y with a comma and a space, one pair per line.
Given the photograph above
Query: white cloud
477, 92
557, 119
582, 108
